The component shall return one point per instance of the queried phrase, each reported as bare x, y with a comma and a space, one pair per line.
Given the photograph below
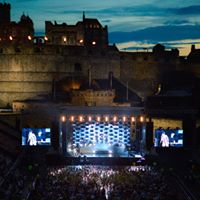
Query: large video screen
36, 136
101, 133
168, 138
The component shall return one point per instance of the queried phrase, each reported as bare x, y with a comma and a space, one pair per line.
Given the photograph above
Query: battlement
45, 49
4, 13
5, 5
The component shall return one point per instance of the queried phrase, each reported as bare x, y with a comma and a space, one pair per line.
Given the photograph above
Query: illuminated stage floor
103, 150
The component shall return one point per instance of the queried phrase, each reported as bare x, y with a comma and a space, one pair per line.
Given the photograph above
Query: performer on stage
164, 140
32, 141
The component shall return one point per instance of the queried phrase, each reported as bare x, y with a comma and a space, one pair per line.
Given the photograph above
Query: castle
37, 67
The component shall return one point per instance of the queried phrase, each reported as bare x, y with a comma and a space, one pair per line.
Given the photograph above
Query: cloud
106, 20
126, 15
138, 10
159, 33
190, 10
184, 46
143, 10
177, 22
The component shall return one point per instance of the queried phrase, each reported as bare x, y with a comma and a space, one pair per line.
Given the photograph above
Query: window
77, 67
17, 50
103, 53
37, 50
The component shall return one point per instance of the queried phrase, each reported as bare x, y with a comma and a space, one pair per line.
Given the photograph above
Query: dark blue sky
130, 18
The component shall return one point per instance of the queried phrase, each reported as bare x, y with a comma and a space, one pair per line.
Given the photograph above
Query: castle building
4, 13
60, 63
88, 32
15, 32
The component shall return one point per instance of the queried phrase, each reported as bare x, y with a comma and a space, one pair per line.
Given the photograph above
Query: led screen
168, 138
36, 136
101, 133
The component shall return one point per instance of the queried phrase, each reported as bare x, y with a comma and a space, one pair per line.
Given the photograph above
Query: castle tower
4, 13
83, 15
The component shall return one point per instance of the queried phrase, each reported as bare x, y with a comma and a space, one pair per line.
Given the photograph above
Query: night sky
133, 24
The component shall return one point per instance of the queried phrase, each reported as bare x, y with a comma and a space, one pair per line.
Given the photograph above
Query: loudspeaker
55, 134
138, 131
149, 135
189, 135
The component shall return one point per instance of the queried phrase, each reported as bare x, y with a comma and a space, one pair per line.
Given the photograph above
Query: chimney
193, 47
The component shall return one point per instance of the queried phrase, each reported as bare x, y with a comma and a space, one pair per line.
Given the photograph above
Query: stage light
98, 118
69, 149
63, 118
10, 37
141, 119
81, 118
89, 118
124, 118
29, 37
72, 118
114, 118
132, 119
106, 118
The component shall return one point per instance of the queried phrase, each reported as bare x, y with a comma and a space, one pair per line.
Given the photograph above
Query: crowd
102, 183
5, 165
16, 178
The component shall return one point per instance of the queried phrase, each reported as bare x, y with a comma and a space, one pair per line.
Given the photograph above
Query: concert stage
108, 132
58, 159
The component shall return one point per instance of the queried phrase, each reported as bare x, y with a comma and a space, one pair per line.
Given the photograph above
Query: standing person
32, 141
164, 140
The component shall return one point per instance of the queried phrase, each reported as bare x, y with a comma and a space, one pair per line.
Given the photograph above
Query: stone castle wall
30, 71
144, 70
